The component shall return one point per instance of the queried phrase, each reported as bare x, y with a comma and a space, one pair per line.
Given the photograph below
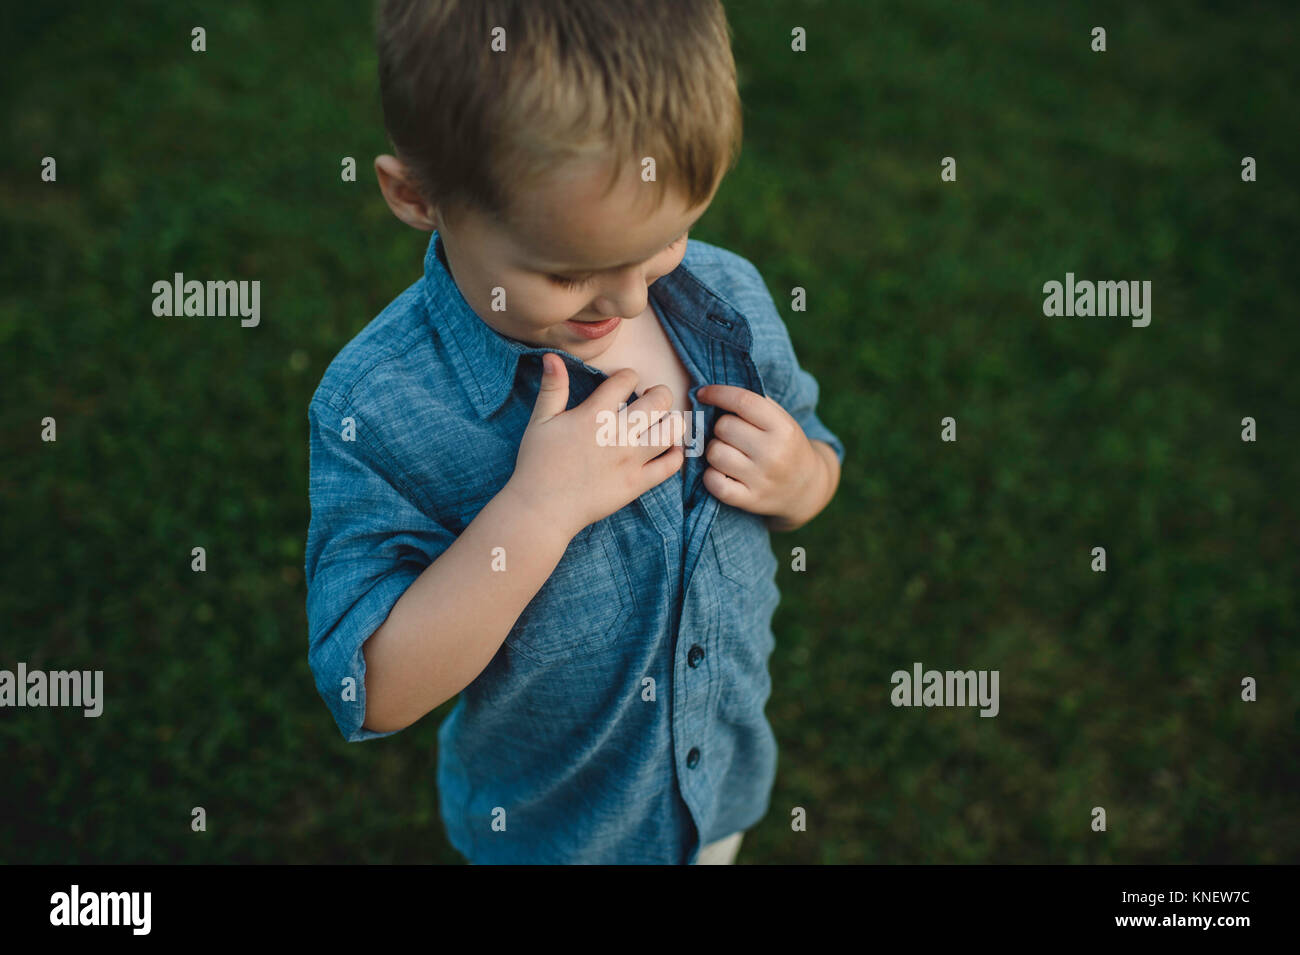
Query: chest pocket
744, 548
747, 598
584, 606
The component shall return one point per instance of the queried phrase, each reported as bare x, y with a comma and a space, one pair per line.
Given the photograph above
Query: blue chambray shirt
414, 428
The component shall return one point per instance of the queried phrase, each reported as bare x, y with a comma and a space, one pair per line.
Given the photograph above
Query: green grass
1118, 690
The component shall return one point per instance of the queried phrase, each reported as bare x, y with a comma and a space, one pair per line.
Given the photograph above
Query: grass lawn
1118, 689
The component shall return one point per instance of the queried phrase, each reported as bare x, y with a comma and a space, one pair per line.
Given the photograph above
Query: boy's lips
594, 329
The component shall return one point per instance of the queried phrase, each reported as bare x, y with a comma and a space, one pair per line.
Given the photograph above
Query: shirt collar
487, 361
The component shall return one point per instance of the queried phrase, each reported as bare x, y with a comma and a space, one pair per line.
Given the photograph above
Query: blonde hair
610, 79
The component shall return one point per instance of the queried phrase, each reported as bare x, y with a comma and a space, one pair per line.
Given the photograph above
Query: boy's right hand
561, 469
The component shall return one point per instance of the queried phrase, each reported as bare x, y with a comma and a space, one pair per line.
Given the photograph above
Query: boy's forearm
451, 621
820, 491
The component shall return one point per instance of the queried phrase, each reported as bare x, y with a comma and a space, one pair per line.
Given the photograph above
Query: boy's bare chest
643, 346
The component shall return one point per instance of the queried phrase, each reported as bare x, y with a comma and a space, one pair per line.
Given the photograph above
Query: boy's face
569, 256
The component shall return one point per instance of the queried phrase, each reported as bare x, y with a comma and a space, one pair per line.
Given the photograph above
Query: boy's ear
396, 183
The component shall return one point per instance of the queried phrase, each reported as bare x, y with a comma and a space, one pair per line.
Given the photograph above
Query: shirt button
695, 655
693, 757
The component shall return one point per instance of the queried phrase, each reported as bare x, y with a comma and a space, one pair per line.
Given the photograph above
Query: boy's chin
562, 336
557, 336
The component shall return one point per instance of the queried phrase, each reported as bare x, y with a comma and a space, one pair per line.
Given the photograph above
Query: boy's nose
624, 296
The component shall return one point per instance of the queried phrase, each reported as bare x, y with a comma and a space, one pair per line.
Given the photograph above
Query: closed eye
568, 282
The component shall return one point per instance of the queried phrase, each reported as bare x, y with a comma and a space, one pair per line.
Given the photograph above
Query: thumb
554, 392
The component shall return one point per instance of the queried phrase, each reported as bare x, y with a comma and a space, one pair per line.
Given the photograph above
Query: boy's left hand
760, 460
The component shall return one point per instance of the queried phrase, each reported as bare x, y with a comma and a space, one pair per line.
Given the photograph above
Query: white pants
722, 852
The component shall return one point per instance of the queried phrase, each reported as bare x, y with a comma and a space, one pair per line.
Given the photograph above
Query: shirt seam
382, 452
360, 379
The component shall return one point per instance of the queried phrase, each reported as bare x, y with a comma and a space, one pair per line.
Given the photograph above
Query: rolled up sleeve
798, 395
793, 388
367, 543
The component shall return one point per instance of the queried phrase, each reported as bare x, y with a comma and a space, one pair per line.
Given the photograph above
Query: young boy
601, 601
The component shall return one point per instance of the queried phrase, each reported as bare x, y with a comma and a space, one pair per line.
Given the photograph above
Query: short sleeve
793, 388
367, 543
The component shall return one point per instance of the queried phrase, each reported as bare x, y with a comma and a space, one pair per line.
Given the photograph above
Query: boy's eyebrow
575, 268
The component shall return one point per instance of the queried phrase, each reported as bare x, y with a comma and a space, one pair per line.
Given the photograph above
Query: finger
725, 489
614, 391
657, 470
666, 433
750, 405
739, 433
730, 461
553, 394
646, 411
